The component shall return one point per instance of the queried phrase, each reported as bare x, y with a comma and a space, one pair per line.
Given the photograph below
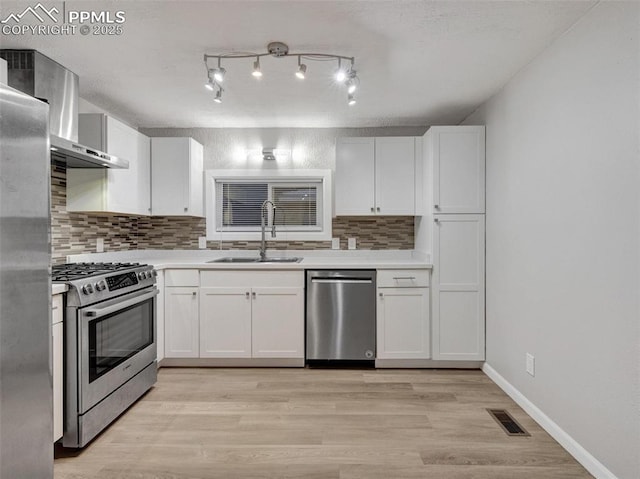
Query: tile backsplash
76, 233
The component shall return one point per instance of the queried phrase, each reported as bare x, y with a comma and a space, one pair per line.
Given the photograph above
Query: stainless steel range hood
37, 75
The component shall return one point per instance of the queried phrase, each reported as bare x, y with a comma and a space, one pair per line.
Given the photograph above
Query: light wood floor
315, 423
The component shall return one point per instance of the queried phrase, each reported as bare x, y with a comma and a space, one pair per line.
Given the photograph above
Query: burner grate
73, 271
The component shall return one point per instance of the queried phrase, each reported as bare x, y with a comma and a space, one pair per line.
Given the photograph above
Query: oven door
117, 341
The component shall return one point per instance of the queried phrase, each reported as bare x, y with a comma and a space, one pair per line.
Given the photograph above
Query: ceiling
419, 62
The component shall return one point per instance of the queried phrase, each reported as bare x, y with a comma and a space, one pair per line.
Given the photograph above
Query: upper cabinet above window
375, 176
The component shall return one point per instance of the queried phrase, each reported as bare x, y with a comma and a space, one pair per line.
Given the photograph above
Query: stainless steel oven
110, 347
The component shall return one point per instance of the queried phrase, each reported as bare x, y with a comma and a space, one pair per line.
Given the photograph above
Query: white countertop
59, 288
322, 259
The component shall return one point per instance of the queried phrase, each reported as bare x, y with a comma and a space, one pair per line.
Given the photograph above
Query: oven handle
99, 312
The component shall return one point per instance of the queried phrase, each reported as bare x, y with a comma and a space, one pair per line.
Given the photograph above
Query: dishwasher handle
342, 280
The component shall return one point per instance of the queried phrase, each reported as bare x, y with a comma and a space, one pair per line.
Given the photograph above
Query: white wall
563, 233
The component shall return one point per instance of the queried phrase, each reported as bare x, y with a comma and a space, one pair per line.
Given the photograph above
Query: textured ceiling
420, 62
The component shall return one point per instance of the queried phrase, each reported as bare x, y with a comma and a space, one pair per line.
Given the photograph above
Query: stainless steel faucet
263, 225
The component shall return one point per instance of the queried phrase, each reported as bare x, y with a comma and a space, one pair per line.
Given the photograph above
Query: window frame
299, 176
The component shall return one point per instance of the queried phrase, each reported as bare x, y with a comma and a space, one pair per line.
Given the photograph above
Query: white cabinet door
176, 177
355, 177
181, 320
225, 322
278, 323
395, 176
457, 155
458, 287
403, 323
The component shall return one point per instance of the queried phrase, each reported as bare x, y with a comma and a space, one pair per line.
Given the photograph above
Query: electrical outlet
531, 364
100, 245
202, 242
335, 243
351, 243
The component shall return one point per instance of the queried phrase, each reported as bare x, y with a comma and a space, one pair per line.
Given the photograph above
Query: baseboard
427, 364
232, 362
573, 447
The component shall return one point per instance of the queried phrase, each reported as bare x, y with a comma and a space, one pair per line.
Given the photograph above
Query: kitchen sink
291, 259
234, 259
240, 259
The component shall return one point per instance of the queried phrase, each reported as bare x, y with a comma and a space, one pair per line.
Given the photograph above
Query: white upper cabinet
176, 177
375, 176
124, 191
456, 159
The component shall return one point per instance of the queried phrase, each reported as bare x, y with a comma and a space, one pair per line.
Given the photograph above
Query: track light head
209, 85
352, 82
218, 74
218, 97
351, 100
302, 70
256, 69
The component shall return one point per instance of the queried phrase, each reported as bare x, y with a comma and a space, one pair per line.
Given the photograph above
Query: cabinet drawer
252, 278
403, 278
56, 308
182, 277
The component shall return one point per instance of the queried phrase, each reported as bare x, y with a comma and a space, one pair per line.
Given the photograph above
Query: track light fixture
257, 72
345, 75
352, 82
351, 100
302, 69
218, 73
218, 97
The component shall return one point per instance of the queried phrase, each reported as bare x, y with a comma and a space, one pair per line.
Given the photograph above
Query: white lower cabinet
58, 367
403, 325
234, 314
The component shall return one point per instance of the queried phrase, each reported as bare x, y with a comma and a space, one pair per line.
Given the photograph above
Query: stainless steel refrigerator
26, 442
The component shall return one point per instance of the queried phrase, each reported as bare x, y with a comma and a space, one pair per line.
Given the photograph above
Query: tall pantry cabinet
452, 228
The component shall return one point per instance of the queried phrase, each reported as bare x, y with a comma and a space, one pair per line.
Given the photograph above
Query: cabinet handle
381, 295
378, 209
193, 294
372, 209
186, 209
412, 278
247, 294
436, 207
436, 220
253, 294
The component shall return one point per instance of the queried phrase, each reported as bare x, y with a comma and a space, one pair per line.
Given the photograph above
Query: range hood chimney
37, 75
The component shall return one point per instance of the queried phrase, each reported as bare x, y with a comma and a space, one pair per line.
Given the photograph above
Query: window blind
298, 204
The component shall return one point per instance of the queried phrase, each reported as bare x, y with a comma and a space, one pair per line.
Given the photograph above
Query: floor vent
510, 425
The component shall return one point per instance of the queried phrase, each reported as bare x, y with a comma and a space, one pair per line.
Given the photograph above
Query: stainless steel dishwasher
341, 315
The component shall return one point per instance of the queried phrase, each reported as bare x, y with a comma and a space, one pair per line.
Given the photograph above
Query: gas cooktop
74, 271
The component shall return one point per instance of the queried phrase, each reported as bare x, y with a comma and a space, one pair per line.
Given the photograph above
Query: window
236, 199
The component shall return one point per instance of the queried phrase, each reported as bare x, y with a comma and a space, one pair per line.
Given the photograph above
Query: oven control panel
123, 280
